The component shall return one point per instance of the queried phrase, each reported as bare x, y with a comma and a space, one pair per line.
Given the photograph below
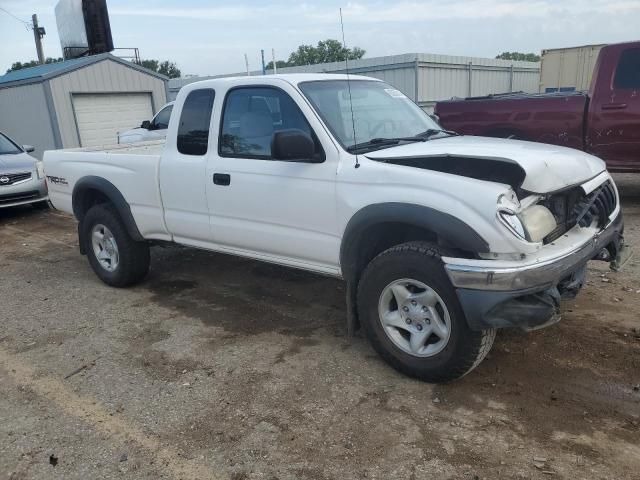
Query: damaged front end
584, 223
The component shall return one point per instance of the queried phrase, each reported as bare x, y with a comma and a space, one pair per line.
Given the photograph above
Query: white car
440, 238
21, 176
156, 129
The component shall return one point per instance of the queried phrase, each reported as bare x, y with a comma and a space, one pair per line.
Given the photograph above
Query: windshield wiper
381, 142
433, 131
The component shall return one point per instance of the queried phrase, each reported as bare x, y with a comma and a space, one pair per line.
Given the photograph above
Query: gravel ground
224, 368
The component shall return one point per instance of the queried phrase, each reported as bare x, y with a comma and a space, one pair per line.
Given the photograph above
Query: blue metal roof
43, 70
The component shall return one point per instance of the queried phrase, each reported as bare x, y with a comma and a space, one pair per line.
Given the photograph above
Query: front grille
18, 197
572, 207
597, 206
7, 179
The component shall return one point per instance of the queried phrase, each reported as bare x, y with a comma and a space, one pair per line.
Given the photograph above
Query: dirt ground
223, 368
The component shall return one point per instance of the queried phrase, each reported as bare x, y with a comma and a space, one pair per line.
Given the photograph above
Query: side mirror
146, 125
28, 148
435, 118
292, 145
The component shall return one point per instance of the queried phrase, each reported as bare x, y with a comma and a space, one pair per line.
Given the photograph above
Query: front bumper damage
528, 296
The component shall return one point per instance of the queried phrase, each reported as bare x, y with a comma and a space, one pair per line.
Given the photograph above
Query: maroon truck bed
604, 121
548, 118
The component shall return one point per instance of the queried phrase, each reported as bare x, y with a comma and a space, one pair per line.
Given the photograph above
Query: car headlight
532, 224
40, 169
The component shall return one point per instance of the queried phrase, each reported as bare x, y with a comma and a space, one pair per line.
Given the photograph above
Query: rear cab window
195, 121
628, 71
250, 117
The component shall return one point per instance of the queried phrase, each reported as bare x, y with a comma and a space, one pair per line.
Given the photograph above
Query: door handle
222, 179
614, 106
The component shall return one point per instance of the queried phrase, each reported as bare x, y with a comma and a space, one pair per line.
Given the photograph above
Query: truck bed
132, 169
555, 118
152, 147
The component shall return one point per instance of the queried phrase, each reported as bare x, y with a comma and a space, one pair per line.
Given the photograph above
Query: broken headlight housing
532, 223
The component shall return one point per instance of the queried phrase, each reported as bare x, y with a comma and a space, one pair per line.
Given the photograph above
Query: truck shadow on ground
243, 295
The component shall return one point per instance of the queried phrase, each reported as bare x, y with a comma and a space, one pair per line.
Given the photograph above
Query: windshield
7, 147
379, 111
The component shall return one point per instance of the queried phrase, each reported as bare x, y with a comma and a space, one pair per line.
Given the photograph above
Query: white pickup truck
440, 238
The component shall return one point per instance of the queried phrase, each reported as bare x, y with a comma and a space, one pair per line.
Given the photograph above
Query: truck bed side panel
135, 176
558, 120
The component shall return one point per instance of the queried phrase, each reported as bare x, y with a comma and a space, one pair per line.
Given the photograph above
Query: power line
28, 24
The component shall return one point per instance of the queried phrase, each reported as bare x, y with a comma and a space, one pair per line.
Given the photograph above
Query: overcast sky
211, 37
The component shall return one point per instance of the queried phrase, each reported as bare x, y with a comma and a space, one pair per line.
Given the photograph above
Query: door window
161, 121
250, 118
628, 71
193, 131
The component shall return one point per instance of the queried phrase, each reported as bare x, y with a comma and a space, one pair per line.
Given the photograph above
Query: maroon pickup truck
605, 121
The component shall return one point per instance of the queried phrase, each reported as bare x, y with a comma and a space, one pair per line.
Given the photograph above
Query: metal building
78, 103
568, 69
424, 77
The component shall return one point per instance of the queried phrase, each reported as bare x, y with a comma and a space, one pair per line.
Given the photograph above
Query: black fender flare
446, 226
109, 190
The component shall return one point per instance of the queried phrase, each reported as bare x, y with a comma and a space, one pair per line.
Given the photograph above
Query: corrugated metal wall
24, 116
439, 77
442, 77
568, 68
102, 77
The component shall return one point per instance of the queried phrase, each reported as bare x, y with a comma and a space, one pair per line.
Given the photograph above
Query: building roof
50, 70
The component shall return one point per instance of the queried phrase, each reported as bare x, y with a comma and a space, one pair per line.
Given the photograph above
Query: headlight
40, 169
532, 224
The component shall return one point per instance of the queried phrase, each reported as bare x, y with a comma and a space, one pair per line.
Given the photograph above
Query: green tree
150, 64
326, 51
32, 63
525, 57
167, 68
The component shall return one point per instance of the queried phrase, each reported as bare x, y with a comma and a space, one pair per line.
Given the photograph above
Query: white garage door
101, 116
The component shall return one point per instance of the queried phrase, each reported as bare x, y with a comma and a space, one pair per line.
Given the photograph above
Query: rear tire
116, 258
411, 314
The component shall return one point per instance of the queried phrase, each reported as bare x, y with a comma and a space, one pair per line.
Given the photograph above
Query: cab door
614, 120
271, 209
183, 169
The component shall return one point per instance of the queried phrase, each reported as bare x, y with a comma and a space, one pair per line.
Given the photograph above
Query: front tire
114, 256
411, 314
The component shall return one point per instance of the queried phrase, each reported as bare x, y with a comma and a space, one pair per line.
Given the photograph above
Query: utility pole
38, 33
246, 63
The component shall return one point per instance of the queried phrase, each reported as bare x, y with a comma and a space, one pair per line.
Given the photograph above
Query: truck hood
18, 162
535, 167
133, 131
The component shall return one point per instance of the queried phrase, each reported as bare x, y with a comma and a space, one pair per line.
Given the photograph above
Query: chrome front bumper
540, 274
527, 297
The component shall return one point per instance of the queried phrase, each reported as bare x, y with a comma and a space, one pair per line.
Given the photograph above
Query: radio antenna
346, 63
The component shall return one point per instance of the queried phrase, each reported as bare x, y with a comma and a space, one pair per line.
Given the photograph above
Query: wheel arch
92, 190
442, 227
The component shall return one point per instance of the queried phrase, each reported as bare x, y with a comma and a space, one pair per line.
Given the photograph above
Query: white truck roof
292, 78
